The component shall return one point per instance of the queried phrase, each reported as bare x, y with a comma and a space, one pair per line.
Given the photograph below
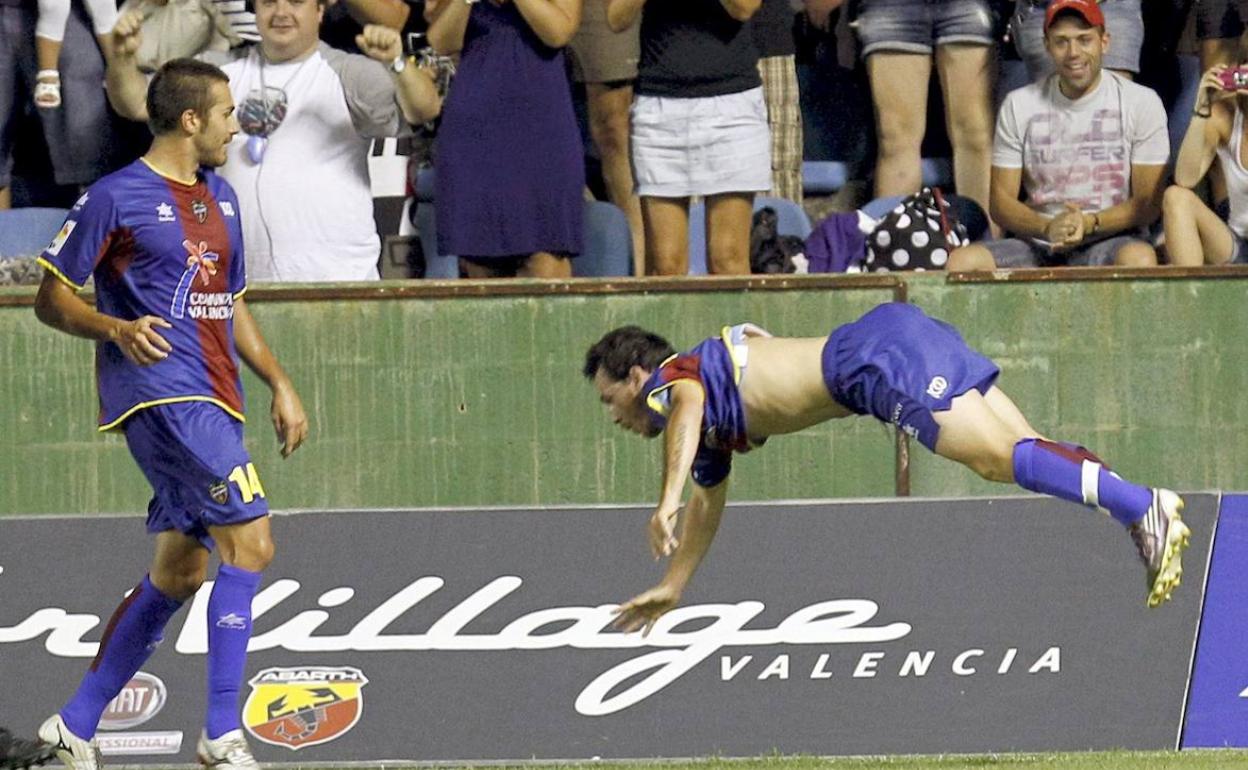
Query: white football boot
76, 753
229, 752
1160, 538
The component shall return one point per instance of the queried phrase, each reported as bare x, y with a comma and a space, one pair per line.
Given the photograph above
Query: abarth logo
306, 706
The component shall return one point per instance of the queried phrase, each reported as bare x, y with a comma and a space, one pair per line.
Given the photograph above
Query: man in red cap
1089, 148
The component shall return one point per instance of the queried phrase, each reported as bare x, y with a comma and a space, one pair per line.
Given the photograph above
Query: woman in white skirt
699, 127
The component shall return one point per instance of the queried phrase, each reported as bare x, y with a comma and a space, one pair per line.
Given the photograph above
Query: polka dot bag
917, 234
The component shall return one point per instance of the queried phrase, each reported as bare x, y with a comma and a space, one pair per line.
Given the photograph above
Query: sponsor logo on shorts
304, 706
219, 491
141, 699
937, 387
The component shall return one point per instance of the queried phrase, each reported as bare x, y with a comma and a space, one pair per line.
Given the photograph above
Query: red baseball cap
1089, 10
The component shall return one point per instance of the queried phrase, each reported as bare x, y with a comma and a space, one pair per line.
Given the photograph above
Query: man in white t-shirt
309, 114
1088, 146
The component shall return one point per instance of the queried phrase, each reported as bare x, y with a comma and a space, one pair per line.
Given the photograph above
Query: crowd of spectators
681, 103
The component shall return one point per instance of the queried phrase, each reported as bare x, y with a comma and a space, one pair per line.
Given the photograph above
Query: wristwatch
399, 64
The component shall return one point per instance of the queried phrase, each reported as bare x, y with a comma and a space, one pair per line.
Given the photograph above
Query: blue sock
129, 640
229, 631
1073, 473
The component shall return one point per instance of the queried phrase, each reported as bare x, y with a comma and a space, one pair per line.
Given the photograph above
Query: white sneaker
76, 753
229, 752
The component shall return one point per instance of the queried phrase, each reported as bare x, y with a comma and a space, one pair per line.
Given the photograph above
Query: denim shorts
1123, 22
918, 26
1015, 252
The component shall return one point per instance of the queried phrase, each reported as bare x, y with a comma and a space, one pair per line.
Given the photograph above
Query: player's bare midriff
783, 389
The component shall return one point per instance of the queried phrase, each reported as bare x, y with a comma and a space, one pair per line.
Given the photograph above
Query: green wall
478, 399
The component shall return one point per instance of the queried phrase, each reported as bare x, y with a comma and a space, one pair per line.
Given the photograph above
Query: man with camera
1088, 146
1195, 234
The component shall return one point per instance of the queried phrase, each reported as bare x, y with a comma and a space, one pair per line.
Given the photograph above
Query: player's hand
289, 419
381, 43
644, 610
140, 342
1066, 229
128, 34
661, 530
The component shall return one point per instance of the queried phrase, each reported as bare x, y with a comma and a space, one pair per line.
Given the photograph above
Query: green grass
1110, 760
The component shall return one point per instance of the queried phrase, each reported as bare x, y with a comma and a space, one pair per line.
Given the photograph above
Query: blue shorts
918, 26
899, 365
192, 454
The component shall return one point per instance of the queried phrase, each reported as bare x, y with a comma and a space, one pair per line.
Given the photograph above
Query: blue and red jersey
717, 365
159, 247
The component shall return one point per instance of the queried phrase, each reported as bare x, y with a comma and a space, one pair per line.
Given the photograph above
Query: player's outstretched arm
702, 516
680, 446
60, 307
289, 419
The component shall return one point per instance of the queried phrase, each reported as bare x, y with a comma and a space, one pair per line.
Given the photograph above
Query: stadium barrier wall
469, 393
886, 627
1217, 709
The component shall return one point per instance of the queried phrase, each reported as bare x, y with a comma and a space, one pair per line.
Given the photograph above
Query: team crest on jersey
200, 210
219, 492
304, 706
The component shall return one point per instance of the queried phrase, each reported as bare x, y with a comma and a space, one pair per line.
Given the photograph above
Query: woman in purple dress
509, 159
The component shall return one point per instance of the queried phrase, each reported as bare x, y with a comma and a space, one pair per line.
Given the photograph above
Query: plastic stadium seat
937, 172
26, 232
608, 244
824, 177
791, 219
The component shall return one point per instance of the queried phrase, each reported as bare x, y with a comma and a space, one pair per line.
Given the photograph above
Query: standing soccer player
163, 241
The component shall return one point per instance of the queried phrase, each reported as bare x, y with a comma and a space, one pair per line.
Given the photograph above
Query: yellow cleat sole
1171, 572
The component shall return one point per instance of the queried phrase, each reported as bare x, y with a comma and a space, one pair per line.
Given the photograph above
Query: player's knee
178, 584
996, 464
253, 554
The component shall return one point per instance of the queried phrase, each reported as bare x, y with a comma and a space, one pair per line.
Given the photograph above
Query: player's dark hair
622, 349
178, 86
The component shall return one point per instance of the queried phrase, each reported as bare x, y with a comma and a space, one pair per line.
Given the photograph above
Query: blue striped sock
130, 638
229, 631
1073, 473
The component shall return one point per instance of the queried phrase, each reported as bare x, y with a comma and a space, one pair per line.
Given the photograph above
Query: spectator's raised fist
128, 33
380, 43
